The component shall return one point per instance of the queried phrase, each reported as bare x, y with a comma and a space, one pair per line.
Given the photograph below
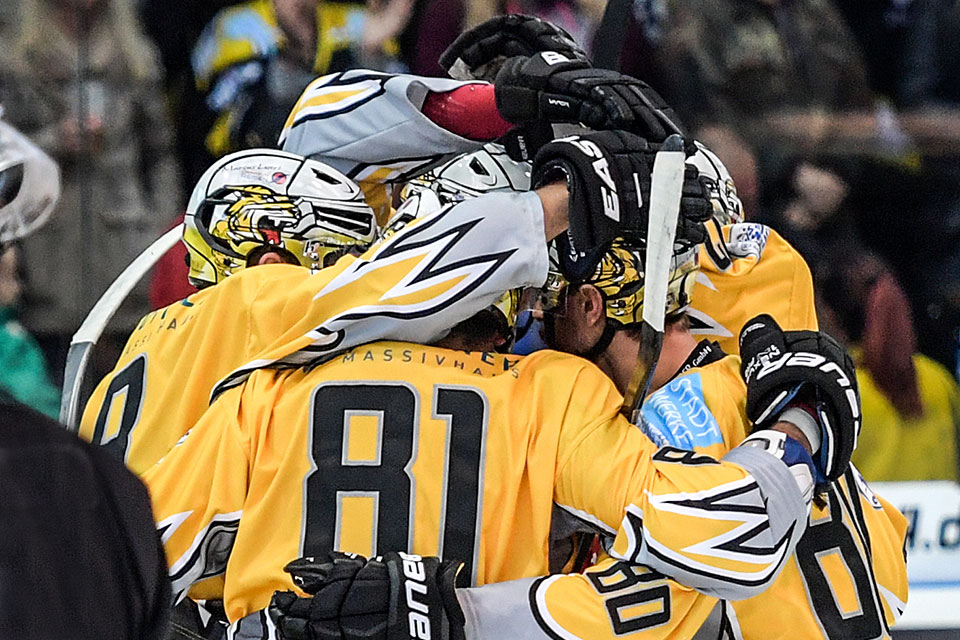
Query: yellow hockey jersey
848, 577
400, 446
414, 286
746, 269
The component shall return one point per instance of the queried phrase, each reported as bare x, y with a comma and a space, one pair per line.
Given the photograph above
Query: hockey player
702, 406
80, 556
310, 319
396, 445
210, 501
744, 268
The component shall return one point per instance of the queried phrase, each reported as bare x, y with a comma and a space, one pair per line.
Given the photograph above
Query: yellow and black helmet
306, 210
620, 277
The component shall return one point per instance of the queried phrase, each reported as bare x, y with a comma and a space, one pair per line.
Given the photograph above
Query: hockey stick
96, 321
666, 187
611, 34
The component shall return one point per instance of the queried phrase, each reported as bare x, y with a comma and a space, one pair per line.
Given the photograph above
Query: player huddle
355, 391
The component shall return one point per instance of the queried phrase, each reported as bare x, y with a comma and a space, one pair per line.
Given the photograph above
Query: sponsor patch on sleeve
677, 415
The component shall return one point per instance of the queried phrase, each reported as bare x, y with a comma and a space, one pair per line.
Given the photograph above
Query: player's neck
620, 358
678, 344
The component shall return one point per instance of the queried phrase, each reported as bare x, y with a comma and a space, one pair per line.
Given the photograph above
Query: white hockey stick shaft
666, 189
96, 321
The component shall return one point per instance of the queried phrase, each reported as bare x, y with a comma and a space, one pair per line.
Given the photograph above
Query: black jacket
79, 554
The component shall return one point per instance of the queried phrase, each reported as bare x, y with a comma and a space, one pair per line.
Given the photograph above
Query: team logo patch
748, 240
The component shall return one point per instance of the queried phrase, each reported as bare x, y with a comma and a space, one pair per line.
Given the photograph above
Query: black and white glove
806, 372
608, 177
478, 53
396, 596
553, 87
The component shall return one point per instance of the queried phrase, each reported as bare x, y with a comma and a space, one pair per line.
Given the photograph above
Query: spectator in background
120, 183
910, 47
23, 369
911, 404
253, 61
773, 71
433, 26
81, 557
735, 61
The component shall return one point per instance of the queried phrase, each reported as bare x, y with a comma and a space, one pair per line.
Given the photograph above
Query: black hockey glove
478, 53
608, 177
552, 87
788, 368
396, 596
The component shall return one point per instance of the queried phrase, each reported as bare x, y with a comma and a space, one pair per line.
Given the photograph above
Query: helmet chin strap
610, 328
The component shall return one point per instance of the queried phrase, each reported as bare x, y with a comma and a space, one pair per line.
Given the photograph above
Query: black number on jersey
629, 587
681, 456
387, 478
130, 381
832, 536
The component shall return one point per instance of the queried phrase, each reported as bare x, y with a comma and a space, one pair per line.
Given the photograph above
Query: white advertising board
932, 510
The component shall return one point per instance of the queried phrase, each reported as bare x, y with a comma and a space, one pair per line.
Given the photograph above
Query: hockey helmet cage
267, 198
29, 185
727, 208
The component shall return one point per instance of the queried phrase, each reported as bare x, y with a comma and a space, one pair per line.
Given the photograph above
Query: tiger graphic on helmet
261, 199
620, 277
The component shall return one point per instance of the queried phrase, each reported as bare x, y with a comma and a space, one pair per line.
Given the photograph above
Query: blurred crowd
839, 121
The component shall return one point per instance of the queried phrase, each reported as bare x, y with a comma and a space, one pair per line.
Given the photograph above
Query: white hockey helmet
29, 185
263, 198
727, 208
466, 176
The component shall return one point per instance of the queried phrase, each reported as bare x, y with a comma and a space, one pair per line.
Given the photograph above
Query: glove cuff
800, 417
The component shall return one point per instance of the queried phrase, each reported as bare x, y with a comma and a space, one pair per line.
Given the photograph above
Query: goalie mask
466, 176
261, 199
727, 208
29, 185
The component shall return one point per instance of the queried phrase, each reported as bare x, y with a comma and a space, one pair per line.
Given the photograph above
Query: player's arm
198, 491
724, 527
413, 287
443, 268
350, 596
386, 128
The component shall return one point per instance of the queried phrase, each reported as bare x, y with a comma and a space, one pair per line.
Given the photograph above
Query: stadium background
838, 119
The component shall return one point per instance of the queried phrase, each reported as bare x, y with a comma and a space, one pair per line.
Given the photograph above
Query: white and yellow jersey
414, 286
848, 576
745, 269
369, 126
396, 446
